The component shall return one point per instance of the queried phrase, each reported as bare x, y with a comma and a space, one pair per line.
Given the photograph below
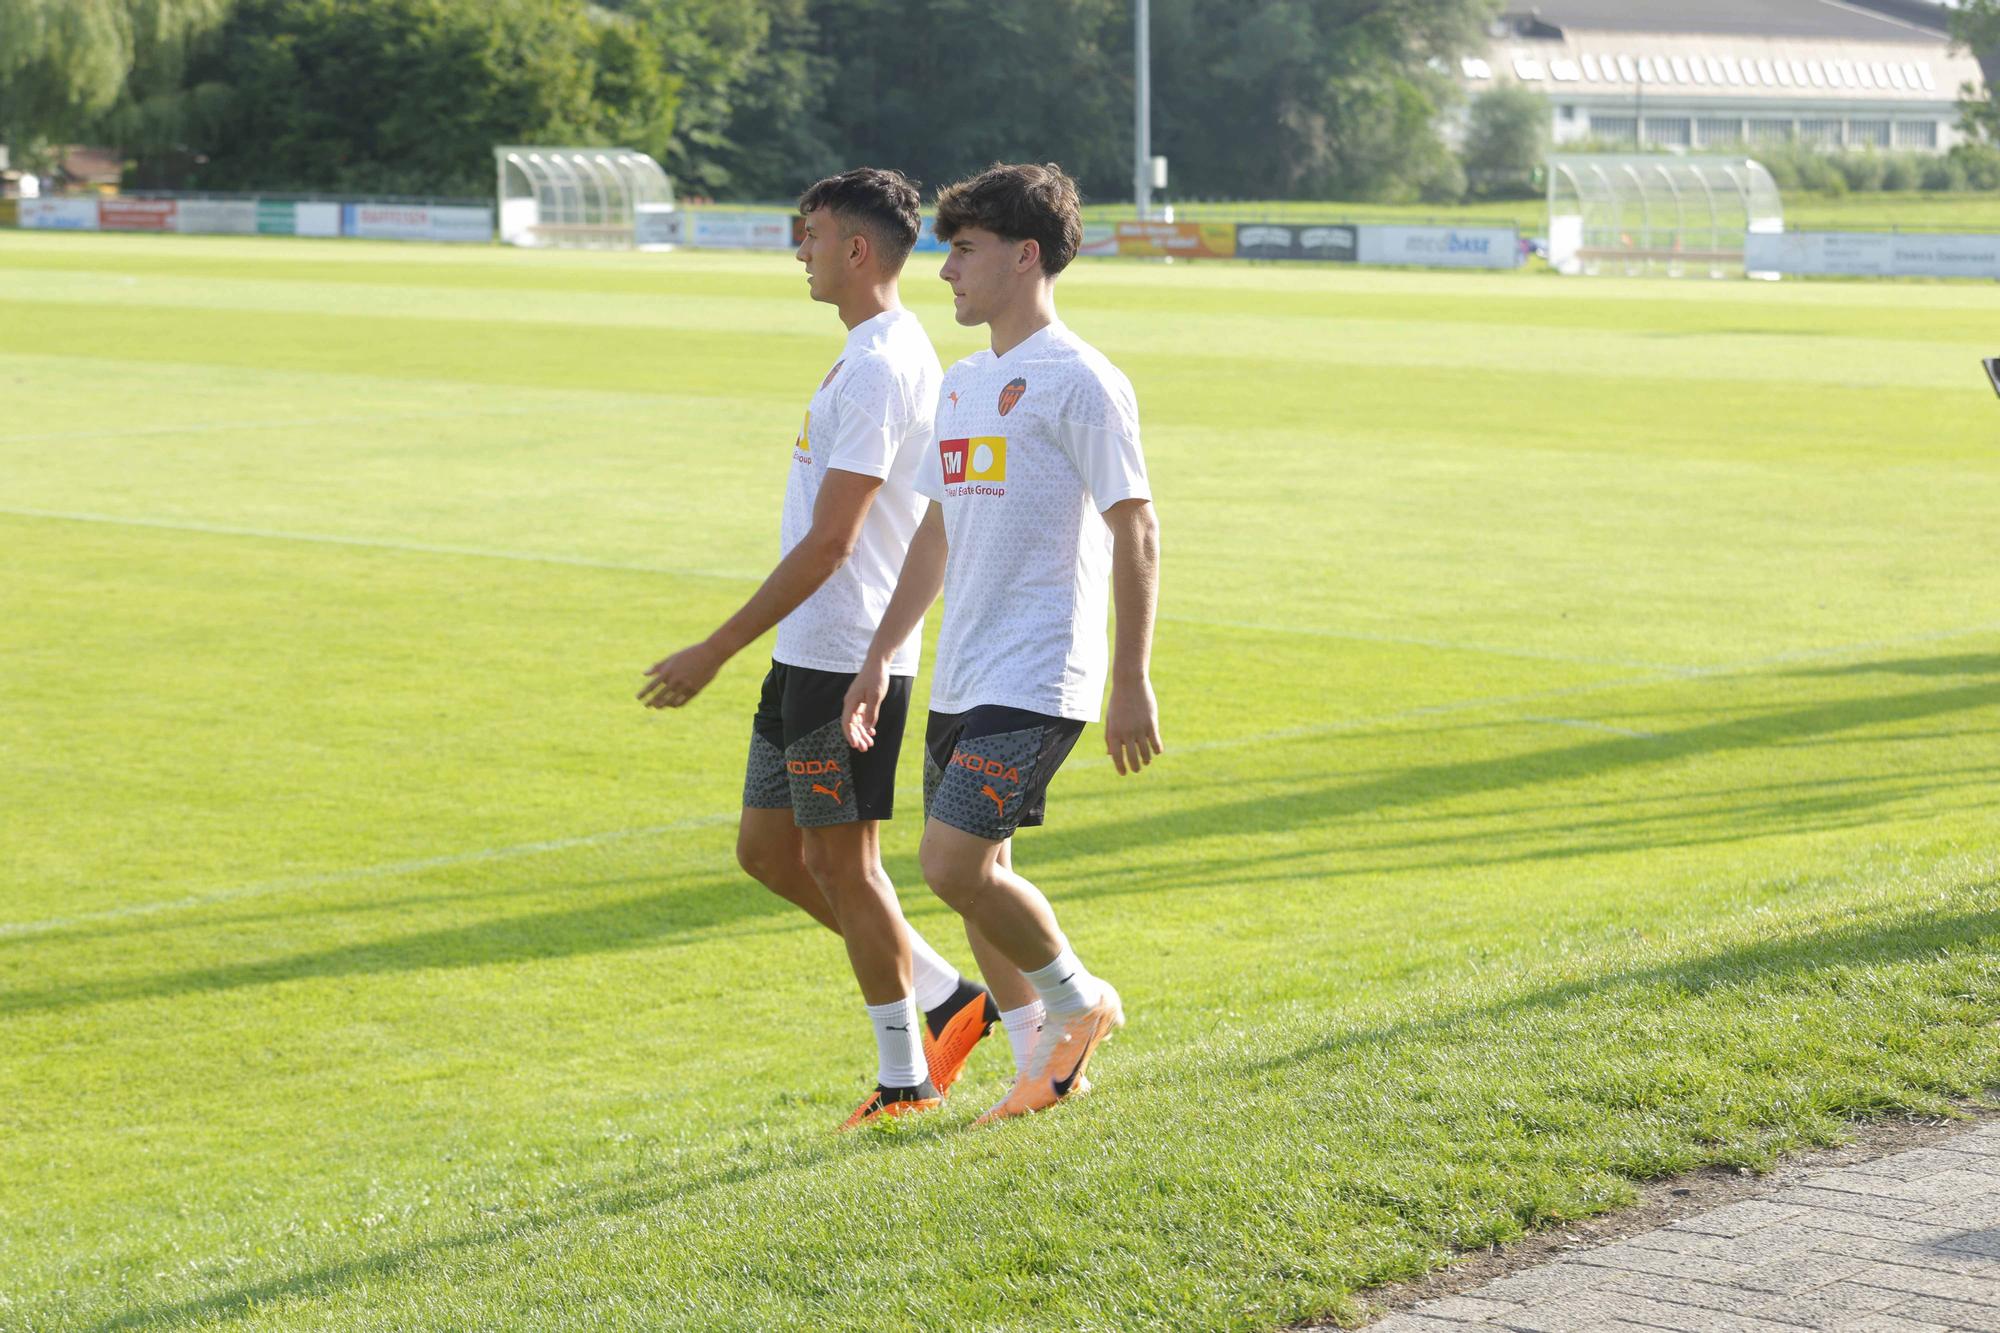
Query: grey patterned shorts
799, 758
987, 770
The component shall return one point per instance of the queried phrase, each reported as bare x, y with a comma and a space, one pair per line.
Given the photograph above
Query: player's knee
954, 878
759, 861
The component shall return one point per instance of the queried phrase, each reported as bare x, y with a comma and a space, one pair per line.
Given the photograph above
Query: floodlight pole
1142, 111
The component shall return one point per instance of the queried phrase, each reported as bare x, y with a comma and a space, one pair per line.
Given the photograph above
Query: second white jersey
871, 415
1031, 448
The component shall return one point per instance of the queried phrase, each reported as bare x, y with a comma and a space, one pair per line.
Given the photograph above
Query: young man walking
812, 808
1039, 497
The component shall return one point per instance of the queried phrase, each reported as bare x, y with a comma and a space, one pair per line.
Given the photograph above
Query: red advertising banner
1186, 240
115, 214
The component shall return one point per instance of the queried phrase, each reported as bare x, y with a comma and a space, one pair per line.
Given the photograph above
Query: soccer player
812, 808
1039, 495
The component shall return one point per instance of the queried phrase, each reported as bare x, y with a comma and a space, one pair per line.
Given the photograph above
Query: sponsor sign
316, 219
406, 222
927, 241
1440, 247
655, 227
1286, 240
1100, 240
218, 217
276, 218
1186, 240
10, 213
60, 214
1873, 254
118, 214
738, 231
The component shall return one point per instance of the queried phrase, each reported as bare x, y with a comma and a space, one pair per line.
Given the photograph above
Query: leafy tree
409, 96
1975, 26
65, 64
1506, 138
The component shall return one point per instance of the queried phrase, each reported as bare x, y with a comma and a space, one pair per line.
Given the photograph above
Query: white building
1692, 74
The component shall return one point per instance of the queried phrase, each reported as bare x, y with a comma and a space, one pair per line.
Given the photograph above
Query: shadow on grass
605, 927
1425, 783
1897, 941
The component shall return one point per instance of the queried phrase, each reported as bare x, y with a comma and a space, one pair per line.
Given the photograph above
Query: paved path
1903, 1244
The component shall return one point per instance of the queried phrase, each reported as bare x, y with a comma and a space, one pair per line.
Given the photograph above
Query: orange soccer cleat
887, 1103
1062, 1053
953, 1028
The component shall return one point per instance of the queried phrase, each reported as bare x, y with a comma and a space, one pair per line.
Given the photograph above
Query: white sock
899, 1043
1022, 1026
1064, 986
936, 979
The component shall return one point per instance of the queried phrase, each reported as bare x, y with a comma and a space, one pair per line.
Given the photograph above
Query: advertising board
415, 222
654, 226
1100, 240
316, 219
1873, 254
716, 230
277, 217
1274, 240
1182, 240
119, 214
218, 217
60, 214
1440, 247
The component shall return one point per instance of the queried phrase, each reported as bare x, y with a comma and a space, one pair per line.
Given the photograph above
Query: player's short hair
882, 203
1017, 202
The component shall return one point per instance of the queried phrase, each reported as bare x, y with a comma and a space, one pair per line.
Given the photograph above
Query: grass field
1581, 702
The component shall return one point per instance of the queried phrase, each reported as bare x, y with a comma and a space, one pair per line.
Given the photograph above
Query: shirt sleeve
874, 417
1100, 431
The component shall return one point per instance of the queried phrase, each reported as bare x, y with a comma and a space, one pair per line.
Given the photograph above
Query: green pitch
1582, 703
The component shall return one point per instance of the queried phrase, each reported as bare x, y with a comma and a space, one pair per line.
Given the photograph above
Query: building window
1613, 129
1770, 131
1714, 130
1627, 71
1680, 68
1669, 131
1916, 134
1730, 68
1868, 133
1564, 71
1766, 73
1924, 77
1590, 68
1569, 113
1799, 79
1819, 131
1835, 75
1897, 77
1866, 77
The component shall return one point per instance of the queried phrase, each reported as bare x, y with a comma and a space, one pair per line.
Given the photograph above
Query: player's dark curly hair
882, 203
1017, 202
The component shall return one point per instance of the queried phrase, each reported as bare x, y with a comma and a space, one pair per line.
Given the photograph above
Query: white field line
1585, 724
298, 883
378, 544
290, 423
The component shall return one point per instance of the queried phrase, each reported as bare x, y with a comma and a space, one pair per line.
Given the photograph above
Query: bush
1901, 171
1861, 171
1943, 173
1980, 163
1506, 137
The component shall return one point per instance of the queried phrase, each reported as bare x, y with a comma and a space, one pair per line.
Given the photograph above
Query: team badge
1012, 395
831, 373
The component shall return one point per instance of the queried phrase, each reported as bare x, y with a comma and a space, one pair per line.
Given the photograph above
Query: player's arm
917, 587
1132, 722
844, 498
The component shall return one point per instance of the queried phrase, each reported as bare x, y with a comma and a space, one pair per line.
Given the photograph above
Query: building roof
1881, 21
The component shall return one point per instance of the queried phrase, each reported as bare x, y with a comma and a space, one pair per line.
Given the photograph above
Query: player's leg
768, 846
925, 1015
1020, 1009
770, 850
993, 767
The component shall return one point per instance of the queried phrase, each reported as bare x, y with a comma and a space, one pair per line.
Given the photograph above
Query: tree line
752, 99
742, 99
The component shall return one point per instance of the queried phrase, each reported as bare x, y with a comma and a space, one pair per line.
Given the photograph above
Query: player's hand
859, 710
672, 681
1132, 726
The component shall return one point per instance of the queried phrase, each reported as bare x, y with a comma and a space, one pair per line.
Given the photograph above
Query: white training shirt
1030, 449
872, 415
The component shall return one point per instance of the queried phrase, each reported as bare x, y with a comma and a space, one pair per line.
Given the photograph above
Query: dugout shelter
1641, 212
584, 198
